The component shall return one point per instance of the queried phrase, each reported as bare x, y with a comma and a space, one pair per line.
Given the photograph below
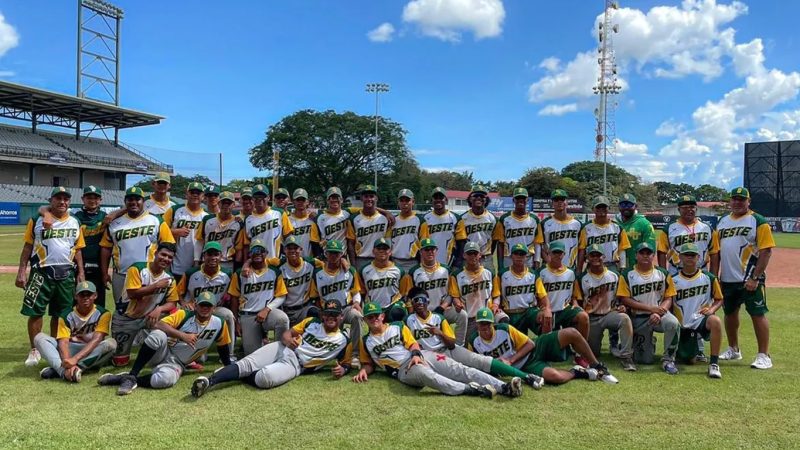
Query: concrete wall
12, 173
43, 176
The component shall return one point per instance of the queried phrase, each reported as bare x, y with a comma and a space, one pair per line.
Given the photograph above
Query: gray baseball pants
274, 364
613, 321
643, 348
48, 347
253, 332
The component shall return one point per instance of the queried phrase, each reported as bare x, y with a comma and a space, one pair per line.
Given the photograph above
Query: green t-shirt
93, 229
639, 230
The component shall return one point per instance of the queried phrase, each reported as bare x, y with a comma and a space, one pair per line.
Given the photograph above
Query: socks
579, 373
145, 354
251, 379
227, 373
504, 370
714, 359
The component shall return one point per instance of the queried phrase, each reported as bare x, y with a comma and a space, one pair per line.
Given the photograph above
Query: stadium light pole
377, 88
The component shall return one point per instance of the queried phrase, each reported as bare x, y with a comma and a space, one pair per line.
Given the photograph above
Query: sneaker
111, 379
763, 361
128, 385
713, 371
731, 354
534, 381
581, 361
48, 373
628, 365
355, 364
581, 372
194, 365
670, 367
200, 386
33, 358
489, 391
76, 376
603, 374
701, 358
514, 388
477, 390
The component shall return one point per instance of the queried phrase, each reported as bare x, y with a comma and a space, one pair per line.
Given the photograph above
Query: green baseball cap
334, 246
471, 247
282, 191
212, 189
383, 242
439, 190
558, 193
478, 189
628, 198
162, 176
644, 246
368, 189
600, 200
372, 308
300, 193
333, 191
93, 190
195, 186
520, 192
227, 195
594, 248
246, 192
134, 192
60, 190
427, 243
740, 192
255, 243
206, 298
85, 286
213, 245
519, 248
291, 240
687, 200
332, 307
484, 315
260, 189
689, 247
405, 193
557, 246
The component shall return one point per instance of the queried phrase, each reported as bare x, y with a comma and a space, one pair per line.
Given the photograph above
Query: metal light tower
607, 85
377, 88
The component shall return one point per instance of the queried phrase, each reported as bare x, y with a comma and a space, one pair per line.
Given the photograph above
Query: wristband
416, 353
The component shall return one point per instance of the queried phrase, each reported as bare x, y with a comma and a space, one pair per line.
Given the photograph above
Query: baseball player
441, 227
150, 293
51, 282
698, 296
745, 246
648, 291
432, 332
509, 345
434, 277
518, 227
365, 228
474, 286
131, 238
297, 272
303, 349
384, 283
688, 228
597, 289
606, 233
266, 224
406, 231
392, 347
333, 223
184, 222
305, 228
80, 342
560, 227
636, 226
211, 198
178, 340
159, 201
518, 301
224, 228
93, 227
281, 200
257, 299
479, 226
246, 202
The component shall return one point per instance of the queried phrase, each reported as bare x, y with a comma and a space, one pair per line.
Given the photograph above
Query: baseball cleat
628, 365
762, 361
476, 390
731, 354
355, 364
200, 386
48, 373
514, 388
670, 367
701, 358
128, 385
33, 358
76, 376
603, 374
534, 381
111, 379
713, 371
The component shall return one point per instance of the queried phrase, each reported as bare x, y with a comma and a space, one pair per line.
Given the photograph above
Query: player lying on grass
178, 340
80, 341
392, 347
506, 343
305, 348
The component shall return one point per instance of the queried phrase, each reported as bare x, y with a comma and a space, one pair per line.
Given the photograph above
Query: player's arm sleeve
495, 286
622, 287
174, 320
350, 232
461, 230
716, 290
764, 237
133, 280
408, 337
29, 237
539, 239
168, 216
670, 292
499, 234
582, 239
663, 242
624, 242
363, 354
301, 327
314, 234
105, 241
63, 330
223, 338
713, 249
517, 338
452, 288
447, 330
165, 234
280, 287
288, 228
233, 288
405, 284
541, 292
424, 231
182, 286
312, 288
172, 292
80, 243
577, 292
104, 324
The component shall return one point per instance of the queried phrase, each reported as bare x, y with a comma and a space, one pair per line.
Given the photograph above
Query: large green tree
178, 183
319, 149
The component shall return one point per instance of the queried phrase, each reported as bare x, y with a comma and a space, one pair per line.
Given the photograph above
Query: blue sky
475, 82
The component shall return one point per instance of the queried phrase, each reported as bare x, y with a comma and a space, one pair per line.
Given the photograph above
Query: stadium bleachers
20, 142
40, 194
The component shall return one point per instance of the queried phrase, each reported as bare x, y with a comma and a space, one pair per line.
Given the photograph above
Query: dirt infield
784, 268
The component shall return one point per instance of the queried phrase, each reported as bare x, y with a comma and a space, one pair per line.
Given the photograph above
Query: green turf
648, 408
787, 240
10, 244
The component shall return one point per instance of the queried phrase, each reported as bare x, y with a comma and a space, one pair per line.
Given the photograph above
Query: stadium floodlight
103, 7
377, 88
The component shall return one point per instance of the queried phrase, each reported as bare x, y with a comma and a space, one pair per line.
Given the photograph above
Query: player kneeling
698, 296
392, 347
177, 340
80, 341
304, 348
514, 348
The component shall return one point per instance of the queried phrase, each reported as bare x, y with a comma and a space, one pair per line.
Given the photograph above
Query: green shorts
547, 349
565, 317
43, 291
525, 321
734, 294
687, 343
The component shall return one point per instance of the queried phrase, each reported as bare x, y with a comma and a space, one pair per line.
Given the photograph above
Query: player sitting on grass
506, 343
392, 347
80, 342
698, 296
178, 340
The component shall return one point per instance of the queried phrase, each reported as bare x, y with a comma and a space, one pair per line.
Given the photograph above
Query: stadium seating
40, 194
20, 142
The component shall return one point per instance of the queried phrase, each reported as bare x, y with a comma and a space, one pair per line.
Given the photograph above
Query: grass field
787, 240
648, 408
10, 244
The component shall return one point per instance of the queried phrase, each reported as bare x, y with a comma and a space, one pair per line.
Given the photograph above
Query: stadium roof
51, 108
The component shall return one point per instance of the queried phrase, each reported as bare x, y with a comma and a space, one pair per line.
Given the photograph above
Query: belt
515, 310
293, 308
248, 313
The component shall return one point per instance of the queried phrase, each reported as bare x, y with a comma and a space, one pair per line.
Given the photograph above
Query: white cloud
669, 128
383, 33
550, 64
450, 169
448, 19
575, 80
780, 126
9, 38
558, 110
623, 148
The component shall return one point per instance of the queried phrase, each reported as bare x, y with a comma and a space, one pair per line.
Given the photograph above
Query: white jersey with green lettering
434, 281
480, 229
270, 227
426, 339
741, 239
518, 230
517, 290
158, 208
339, 286
298, 282
56, 245
226, 232
405, 235
506, 341
649, 287
333, 226
306, 232
476, 289
381, 285
318, 347
565, 231
180, 216
367, 230
196, 281
134, 240
607, 236
590, 284
442, 229
677, 234
389, 349
263, 288
692, 294
559, 285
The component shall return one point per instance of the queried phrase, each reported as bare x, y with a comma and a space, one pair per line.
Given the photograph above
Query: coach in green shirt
638, 228
91, 218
